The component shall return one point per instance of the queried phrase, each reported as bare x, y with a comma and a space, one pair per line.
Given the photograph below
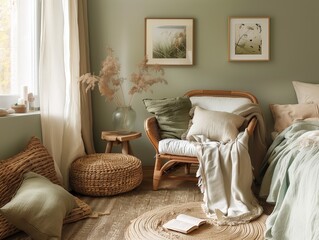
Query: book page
190, 219
179, 226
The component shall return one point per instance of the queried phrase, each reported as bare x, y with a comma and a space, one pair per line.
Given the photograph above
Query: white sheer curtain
58, 83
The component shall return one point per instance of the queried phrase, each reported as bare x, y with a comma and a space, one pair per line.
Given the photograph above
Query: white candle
25, 93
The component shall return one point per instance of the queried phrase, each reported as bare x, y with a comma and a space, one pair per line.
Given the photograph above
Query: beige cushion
285, 115
39, 207
306, 92
34, 158
216, 125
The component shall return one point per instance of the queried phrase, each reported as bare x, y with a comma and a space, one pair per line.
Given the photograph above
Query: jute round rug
149, 226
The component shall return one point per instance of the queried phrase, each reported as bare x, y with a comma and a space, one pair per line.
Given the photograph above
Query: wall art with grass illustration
169, 41
248, 38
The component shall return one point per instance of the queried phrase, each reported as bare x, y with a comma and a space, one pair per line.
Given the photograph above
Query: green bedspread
292, 182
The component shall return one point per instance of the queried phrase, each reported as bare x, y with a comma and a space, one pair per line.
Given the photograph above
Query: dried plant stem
111, 84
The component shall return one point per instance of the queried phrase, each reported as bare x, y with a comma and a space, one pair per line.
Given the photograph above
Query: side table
114, 137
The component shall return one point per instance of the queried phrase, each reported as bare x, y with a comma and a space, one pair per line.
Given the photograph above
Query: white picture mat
151, 24
264, 23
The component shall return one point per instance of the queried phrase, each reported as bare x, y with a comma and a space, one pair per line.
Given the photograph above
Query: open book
184, 223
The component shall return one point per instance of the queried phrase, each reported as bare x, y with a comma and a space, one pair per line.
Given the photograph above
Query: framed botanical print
248, 38
169, 41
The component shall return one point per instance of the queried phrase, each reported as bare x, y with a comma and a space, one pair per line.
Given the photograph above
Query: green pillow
172, 115
39, 207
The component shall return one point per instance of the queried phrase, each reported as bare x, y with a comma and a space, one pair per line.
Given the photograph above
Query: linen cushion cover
306, 92
172, 115
177, 147
221, 103
286, 114
215, 125
39, 207
34, 158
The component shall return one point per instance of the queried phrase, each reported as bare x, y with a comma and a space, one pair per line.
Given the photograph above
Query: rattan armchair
164, 162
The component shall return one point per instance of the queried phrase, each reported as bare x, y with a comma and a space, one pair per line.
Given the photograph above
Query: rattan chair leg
187, 168
157, 173
156, 180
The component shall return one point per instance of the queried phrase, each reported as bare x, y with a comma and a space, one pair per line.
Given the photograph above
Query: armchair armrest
152, 131
251, 126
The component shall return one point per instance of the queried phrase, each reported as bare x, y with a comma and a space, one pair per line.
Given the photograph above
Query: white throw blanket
225, 179
226, 173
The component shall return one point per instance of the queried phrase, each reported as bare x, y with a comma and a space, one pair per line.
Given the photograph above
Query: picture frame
248, 38
169, 41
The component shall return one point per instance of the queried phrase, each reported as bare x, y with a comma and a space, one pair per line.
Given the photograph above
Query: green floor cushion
34, 158
39, 207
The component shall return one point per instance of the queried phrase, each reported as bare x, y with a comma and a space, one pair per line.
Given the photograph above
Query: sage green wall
16, 131
294, 52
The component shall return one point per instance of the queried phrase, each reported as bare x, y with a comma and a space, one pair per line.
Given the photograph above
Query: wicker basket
19, 108
105, 174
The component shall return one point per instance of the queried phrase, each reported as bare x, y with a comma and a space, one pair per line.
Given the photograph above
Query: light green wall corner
16, 132
294, 51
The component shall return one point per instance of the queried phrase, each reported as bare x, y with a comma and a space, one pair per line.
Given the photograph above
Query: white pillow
306, 92
215, 125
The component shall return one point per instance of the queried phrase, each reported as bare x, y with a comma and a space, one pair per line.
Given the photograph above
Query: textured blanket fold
257, 142
292, 182
226, 176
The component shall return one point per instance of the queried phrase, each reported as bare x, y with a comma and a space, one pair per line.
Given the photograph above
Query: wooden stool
113, 137
105, 174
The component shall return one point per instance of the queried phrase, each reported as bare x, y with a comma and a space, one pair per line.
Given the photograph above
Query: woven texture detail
35, 158
81, 211
150, 226
105, 174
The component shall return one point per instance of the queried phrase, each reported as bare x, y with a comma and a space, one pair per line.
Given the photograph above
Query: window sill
22, 114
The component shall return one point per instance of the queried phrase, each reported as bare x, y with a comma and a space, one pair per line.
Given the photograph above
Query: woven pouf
105, 174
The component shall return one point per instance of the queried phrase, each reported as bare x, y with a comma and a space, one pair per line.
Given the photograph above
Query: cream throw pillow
39, 207
306, 92
285, 115
215, 125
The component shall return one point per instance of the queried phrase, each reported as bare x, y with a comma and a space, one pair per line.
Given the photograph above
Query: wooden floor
128, 206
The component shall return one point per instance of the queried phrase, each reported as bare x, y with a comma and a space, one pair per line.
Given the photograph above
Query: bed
291, 179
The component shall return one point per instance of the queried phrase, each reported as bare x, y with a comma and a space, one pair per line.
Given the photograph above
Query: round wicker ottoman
105, 174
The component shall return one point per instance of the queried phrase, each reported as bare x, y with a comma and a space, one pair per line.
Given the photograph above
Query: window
19, 49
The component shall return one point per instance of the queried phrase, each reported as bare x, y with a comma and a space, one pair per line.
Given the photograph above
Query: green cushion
172, 115
39, 207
